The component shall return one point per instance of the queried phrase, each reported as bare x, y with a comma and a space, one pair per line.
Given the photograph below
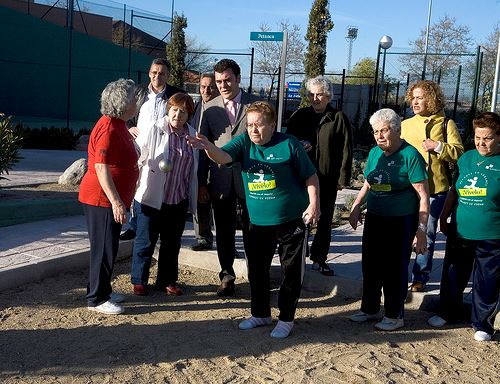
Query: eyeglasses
382, 131
258, 126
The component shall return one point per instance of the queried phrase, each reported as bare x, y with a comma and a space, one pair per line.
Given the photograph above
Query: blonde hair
432, 92
265, 109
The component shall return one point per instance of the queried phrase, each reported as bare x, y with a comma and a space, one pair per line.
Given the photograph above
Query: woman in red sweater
107, 190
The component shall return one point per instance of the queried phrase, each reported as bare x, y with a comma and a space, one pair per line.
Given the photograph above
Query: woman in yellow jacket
438, 141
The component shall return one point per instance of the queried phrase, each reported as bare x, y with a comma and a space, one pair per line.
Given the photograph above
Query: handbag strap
444, 129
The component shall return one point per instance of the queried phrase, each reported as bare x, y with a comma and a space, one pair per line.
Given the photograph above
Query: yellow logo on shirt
472, 191
381, 187
262, 185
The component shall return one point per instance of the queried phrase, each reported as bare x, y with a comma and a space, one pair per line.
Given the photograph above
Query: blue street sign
266, 36
293, 86
293, 89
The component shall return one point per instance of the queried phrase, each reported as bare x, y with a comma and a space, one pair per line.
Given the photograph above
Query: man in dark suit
154, 107
223, 119
203, 217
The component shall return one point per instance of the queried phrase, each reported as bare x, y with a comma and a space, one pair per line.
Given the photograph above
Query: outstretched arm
213, 152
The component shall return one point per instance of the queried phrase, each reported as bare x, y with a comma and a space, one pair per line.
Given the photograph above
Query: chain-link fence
457, 74
54, 63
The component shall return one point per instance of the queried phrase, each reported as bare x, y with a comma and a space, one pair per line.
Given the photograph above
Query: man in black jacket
326, 136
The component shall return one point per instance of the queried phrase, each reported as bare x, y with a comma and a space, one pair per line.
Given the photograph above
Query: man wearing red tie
223, 119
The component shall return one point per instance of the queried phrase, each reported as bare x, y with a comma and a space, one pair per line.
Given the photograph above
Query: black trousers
202, 223
262, 241
386, 251
457, 268
486, 284
225, 232
104, 236
321, 243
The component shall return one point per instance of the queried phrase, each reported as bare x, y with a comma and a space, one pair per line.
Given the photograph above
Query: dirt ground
48, 336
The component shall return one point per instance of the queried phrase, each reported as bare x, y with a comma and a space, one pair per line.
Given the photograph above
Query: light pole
385, 43
427, 39
172, 23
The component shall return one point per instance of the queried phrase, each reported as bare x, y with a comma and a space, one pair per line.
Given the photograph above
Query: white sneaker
116, 297
282, 329
482, 336
108, 308
436, 321
254, 322
388, 324
360, 317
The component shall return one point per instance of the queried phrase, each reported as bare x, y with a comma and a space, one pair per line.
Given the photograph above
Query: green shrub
10, 143
48, 138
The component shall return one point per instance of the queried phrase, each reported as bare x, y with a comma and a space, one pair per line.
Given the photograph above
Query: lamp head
385, 42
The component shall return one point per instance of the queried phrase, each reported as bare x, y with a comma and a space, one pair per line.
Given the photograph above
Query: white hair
116, 97
387, 115
321, 81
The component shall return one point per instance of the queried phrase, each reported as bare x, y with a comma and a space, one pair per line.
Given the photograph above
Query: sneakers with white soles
254, 322
108, 308
482, 336
388, 324
436, 321
282, 329
360, 317
116, 297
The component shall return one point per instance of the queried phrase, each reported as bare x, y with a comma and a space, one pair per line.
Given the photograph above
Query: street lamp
385, 43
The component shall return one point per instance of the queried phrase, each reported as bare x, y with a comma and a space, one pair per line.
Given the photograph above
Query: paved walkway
33, 251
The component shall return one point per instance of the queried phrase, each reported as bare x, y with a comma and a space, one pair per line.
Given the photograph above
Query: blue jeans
423, 262
168, 223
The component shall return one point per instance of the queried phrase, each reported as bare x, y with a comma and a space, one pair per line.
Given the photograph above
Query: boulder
73, 175
82, 143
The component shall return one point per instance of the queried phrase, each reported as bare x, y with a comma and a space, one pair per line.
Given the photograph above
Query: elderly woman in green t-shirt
281, 188
475, 196
397, 195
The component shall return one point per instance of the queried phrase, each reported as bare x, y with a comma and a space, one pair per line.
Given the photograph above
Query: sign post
276, 36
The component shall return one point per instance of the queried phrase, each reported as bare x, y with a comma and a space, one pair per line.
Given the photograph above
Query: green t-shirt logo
257, 181
472, 185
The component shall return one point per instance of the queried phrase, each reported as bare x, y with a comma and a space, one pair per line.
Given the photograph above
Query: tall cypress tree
176, 51
320, 24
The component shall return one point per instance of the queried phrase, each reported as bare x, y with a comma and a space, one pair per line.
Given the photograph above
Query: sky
226, 26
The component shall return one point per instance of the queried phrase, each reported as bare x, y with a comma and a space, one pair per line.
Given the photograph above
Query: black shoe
323, 268
226, 289
129, 234
202, 245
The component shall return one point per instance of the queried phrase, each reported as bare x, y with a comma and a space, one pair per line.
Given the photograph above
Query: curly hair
116, 97
489, 120
181, 100
265, 109
432, 92
321, 81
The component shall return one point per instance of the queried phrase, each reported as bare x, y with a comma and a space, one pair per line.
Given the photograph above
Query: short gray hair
116, 97
322, 82
387, 115
208, 74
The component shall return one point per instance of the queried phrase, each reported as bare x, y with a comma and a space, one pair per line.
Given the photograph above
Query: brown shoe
417, 286
140, 290
226, 289
173, 290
